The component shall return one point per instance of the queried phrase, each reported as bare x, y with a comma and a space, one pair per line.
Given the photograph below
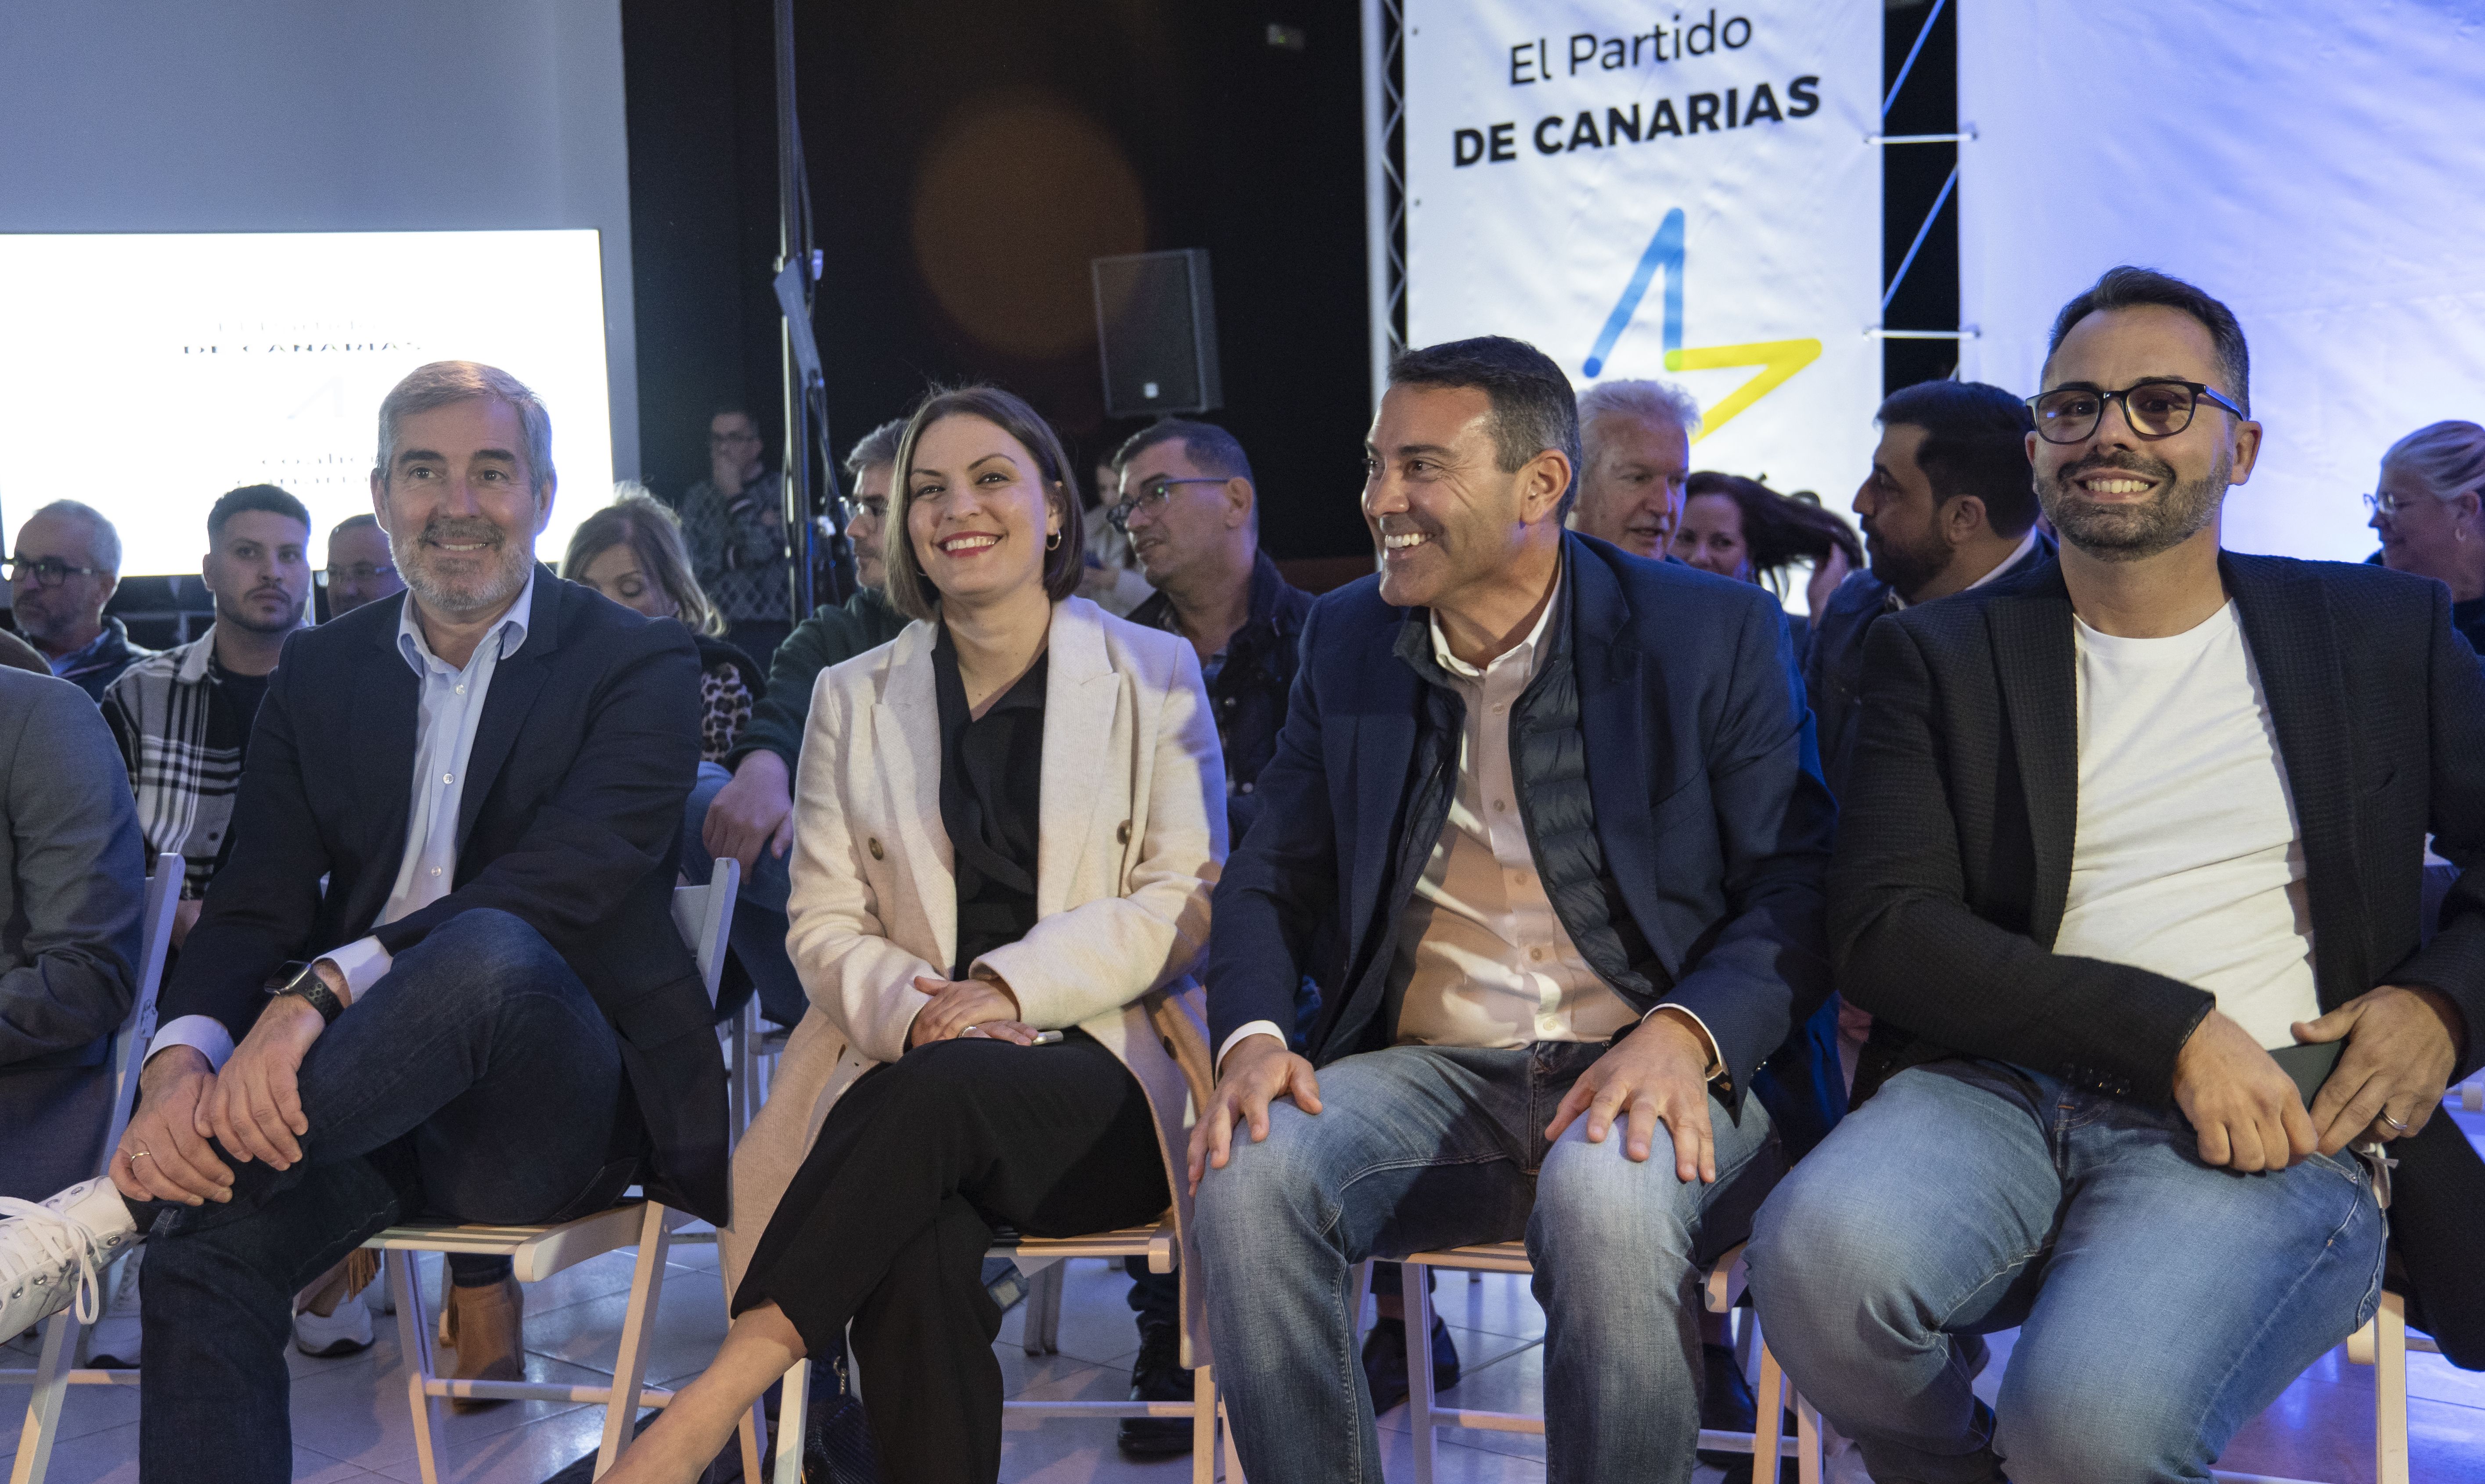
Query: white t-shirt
2188, 860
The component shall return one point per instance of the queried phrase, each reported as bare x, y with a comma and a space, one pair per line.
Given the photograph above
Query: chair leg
1041, 1334
414, 1343
1770, 1419
638, 1327
1233, 1454
1416, 1298
1809, 1456
1203, 1426
2391, 1394
792, 1394
752, 1431
42, 1427
1358, 1289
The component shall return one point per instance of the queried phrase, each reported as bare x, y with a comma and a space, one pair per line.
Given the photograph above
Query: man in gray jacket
71, 876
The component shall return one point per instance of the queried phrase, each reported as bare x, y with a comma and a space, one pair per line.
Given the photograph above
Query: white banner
2315, 167
1683, 195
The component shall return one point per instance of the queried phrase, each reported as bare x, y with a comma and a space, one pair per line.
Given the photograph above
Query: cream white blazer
1130, 835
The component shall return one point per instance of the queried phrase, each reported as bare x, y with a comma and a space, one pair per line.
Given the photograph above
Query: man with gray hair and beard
2129, 868
438, 973
1634, 455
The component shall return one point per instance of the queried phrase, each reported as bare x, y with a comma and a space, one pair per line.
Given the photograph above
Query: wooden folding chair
55, 1371
538, 1252
1723, 1287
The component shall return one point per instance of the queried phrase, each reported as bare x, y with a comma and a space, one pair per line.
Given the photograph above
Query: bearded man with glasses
63, 570
2130, 873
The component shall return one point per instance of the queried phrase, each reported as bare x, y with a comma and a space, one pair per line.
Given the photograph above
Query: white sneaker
346, 1332
49, 1253
113, 1343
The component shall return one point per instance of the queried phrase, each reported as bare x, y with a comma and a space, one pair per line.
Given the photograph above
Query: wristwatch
303, 980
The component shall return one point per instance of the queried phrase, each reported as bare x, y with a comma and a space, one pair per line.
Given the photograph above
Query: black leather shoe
1384, 1362
1727, 1405
1157, 1375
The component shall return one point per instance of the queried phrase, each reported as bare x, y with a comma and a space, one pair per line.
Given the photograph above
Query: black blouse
992, 771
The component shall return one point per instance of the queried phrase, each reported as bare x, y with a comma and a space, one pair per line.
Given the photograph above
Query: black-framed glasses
359, 571
2160, 407
1152, 496
851, 509
46, 571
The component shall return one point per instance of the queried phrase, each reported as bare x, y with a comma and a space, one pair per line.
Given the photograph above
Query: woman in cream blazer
914, 1107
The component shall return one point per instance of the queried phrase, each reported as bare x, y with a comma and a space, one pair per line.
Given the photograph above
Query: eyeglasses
47, 571
358, 573
851, 509
714, 439
1151, 498
2158, 408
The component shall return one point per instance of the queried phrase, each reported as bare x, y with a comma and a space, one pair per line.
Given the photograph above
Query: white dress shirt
451, 708
1485, 956
2027, 544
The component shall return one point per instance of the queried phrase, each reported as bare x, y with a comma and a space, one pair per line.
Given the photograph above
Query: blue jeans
1425, 1147
476, 1080
759, 925
2162, 1303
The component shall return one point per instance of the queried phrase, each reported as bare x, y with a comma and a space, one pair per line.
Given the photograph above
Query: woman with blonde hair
632, 552
2425, 508
1007, 825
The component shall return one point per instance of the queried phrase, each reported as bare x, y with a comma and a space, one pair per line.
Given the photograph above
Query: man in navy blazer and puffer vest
1557, 801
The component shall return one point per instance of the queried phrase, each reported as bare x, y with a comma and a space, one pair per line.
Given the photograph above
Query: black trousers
886, 1222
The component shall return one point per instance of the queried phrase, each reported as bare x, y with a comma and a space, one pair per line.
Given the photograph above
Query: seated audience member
1948, 506
631, 552
1193, 519
360, 568
183, 716
735, 523
1112, 579
1464, 787
746, 808
510, 924
960, 884
2425, 506
1741, 529
62, 572
2131, 851
72, 866
1634, 455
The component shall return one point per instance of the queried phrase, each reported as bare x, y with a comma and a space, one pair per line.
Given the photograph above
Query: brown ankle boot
491, 1337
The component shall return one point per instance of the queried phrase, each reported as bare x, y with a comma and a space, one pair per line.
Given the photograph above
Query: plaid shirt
739, 557
182, 743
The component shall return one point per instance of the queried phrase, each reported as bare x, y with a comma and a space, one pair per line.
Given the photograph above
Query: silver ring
967, 1030
2394, 1124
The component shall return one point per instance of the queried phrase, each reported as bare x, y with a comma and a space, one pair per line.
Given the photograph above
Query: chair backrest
703, 913
162, 899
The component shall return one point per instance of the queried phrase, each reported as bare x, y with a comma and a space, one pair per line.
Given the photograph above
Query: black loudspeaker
1156, 331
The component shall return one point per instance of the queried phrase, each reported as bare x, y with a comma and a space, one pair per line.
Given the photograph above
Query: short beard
290, 621
1906, 570
2133, 532
494, 588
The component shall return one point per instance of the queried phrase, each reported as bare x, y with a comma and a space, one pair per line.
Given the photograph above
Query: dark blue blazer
570, 820
1712, 819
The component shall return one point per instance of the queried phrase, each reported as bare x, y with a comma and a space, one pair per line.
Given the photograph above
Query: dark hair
253, 497
366, 521
907, 589
2127, 288
1532, 406
1779, 529
1976, 442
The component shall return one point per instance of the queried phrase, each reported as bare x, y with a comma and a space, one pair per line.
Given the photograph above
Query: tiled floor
351, 1423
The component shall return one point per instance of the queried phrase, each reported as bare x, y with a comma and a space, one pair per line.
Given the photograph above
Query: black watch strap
311, 987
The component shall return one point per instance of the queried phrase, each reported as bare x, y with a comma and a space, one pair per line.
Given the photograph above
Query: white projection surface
2314, 166
147, 373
